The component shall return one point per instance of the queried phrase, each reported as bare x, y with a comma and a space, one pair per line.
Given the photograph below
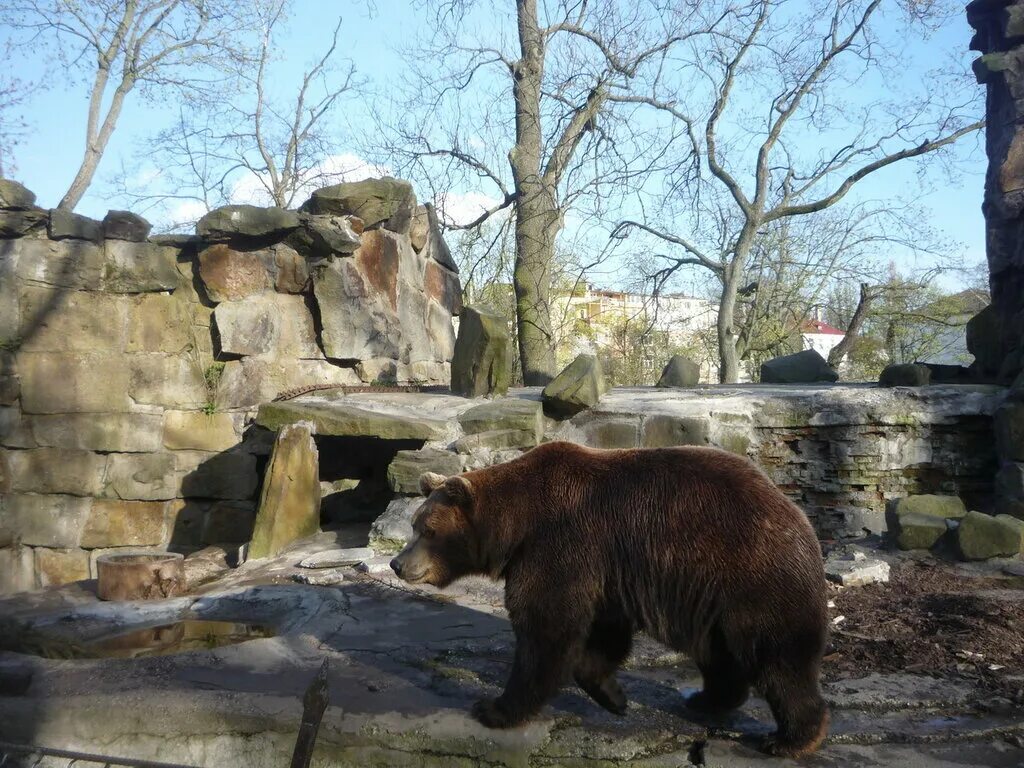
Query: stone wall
996, 335
841, 453
130, 366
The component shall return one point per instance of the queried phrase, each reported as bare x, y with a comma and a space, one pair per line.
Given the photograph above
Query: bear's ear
459, 489
430, 481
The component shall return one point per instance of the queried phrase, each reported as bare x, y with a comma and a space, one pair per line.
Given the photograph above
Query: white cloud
185, 211
463, 207
333, 170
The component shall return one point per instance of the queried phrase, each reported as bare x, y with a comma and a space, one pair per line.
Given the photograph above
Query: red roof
817, 326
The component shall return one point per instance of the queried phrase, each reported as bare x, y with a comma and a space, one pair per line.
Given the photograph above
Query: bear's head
442, 548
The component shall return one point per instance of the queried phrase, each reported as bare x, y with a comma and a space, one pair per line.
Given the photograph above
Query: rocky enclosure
130, 365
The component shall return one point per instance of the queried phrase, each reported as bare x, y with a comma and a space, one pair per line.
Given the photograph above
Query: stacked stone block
130, 367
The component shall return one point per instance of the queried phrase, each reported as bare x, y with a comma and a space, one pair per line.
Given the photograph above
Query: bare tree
765, 109
119, 46
278, 146
526, 112
14, 91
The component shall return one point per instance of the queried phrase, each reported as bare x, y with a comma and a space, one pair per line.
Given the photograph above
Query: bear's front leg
539, 669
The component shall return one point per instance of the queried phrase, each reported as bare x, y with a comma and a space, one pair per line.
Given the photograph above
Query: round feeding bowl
140, 576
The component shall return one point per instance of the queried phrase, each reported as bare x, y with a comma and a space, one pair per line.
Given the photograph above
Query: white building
820, 336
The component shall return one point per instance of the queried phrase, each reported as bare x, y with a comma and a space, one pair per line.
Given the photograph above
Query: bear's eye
428, 532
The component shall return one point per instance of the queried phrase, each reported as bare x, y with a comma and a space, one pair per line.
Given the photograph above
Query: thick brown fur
694, 546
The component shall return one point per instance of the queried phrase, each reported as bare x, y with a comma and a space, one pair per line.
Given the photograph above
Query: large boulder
983, 536
905, 375
235, 222
15, 196
481, 364
578, 387
933, 505
917, 531
393, 529
986, 341
405, 469
680, 371
65, 224
125, 225
386, 201
290, 502
805, 367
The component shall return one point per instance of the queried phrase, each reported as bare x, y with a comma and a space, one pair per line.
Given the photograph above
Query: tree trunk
537, 224
728, 355
537, 216
96, 143
860, 314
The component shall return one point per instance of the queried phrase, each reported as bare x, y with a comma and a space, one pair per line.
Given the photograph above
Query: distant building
587, 321
820, 336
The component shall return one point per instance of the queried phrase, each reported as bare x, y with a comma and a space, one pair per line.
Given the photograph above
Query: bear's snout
396, 566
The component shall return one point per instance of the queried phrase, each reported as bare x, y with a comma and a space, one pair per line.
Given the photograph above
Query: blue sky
371, 35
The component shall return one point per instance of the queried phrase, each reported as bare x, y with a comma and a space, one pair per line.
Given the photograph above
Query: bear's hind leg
607, 646
801, 715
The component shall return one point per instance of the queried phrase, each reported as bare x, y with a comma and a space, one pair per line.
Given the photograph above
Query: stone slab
337, 558
350, 416
290, 501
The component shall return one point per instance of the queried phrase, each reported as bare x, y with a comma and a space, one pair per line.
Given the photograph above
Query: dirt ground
931, 619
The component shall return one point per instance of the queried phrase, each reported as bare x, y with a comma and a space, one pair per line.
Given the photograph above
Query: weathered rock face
995, 336
799, 368
481, 364
290, 502
576, 388
680, 372
129, 367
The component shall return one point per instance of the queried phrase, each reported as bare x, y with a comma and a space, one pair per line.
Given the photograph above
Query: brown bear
694, 546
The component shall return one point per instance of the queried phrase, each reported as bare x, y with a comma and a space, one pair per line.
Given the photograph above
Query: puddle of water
188, 635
